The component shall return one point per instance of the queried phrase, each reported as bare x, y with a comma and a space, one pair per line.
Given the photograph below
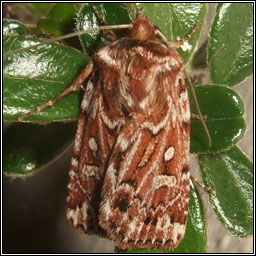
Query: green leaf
36, 76
60, 21
112, 13
195, 239
41, 9
176, 20
231, 175
14, 27
224, 111
231, 43
28, 147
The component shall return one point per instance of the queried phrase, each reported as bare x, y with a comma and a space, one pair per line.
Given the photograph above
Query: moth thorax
143, 29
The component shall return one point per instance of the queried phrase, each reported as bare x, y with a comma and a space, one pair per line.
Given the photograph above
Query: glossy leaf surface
14, 27
223, 109
230, 174
231, 43
28, 147
36, 76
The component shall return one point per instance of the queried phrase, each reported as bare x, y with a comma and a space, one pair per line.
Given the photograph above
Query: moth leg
108, 34
197, 117
178, 44
73, 87
209, 190
201, 118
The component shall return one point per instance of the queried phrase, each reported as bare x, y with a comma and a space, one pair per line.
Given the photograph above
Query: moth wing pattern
91, 151
132, 145
145, 191
82, 176
146, 187
145, 202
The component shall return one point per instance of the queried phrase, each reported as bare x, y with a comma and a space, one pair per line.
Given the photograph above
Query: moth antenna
77, 33
209, 190
187, 37
98, 16
140, 13
198, 108
108, 34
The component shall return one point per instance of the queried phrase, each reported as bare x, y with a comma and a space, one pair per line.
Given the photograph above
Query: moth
129, 175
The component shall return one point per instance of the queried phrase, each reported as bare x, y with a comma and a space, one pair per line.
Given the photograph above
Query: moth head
142, 28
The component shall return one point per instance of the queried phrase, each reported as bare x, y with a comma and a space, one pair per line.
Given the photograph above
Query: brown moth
129, 175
